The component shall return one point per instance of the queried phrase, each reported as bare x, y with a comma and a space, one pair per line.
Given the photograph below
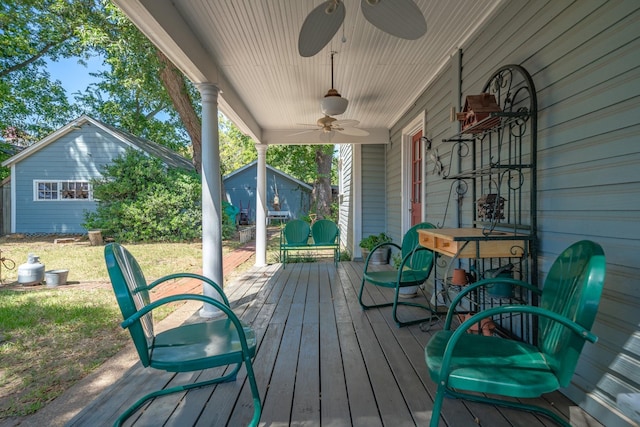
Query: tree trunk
173, 81
322, 190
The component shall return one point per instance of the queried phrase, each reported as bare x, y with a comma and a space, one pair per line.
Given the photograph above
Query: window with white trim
62, 190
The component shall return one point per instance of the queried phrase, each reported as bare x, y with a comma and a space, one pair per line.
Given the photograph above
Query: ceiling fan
327, 126
400, 18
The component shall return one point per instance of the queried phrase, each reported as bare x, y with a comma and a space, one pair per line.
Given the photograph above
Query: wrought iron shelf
489, 170
487, 125
504, 226
493, 162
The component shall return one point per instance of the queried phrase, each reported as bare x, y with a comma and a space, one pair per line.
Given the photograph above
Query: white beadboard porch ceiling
249, 48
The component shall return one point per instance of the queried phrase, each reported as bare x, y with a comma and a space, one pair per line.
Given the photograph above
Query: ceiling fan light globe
333, 105
327, 136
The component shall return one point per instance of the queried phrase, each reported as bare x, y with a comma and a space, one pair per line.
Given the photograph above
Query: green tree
138, 84
140, 90
32, 31
236, 149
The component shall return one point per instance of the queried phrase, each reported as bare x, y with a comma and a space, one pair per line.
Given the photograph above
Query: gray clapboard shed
50, 180
294, 196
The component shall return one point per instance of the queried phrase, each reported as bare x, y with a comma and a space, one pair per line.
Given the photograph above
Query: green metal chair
415, 268
294, 235
490, 364
326, 234
191, 347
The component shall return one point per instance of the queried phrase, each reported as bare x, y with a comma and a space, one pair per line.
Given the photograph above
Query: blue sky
74, 76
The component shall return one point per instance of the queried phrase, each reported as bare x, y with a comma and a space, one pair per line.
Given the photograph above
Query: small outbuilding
51, 179
284, 193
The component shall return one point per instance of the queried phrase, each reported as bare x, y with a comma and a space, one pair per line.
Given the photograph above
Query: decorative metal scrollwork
460, 187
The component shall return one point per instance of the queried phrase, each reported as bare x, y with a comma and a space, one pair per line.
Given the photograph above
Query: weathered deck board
321, 361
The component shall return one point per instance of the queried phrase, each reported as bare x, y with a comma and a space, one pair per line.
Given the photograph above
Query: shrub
142, 200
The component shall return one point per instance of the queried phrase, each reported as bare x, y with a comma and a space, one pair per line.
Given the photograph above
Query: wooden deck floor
321, 361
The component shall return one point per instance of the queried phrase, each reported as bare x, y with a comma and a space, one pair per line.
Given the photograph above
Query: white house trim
211, 197
261, 205
415, 126
356, 196
13, 197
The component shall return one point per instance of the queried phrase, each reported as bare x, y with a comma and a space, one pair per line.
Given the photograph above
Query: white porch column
261, 207
211, 197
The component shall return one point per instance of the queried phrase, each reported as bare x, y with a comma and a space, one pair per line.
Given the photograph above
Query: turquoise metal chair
294, 236
490, 364
191, 347
415, 268
326, 234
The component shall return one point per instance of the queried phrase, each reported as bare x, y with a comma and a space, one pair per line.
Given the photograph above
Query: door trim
419, 123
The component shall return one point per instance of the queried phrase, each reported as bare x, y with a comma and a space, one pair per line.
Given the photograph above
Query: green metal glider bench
294, 236
224, 341
414, 270
460, 362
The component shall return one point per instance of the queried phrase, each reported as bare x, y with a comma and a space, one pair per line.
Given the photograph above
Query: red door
416, 179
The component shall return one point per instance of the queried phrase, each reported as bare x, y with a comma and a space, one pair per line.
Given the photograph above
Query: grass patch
52, 337
86, 263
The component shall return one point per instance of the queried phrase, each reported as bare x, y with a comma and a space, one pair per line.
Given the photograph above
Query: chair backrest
129, 286
421, 260
324, 232
572, 289
296, 232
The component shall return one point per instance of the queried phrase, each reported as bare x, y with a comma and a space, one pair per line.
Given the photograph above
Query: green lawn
52, 337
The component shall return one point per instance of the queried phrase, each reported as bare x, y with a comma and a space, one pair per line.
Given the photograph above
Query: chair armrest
536, 311
196, 297
482, 283
206, 280
406, 259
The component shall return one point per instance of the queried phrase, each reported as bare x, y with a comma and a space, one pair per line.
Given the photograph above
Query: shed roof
168, 156
271, 168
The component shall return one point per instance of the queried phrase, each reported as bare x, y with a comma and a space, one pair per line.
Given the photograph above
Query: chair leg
396, 303
133, 408
507, 404
365, 306
257, 403
437, 406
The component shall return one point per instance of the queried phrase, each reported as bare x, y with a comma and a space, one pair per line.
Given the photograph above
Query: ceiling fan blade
303, 132
400, 18
347, 123
353, 131
319, 27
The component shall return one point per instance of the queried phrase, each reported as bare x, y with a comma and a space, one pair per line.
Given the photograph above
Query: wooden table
472, 243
